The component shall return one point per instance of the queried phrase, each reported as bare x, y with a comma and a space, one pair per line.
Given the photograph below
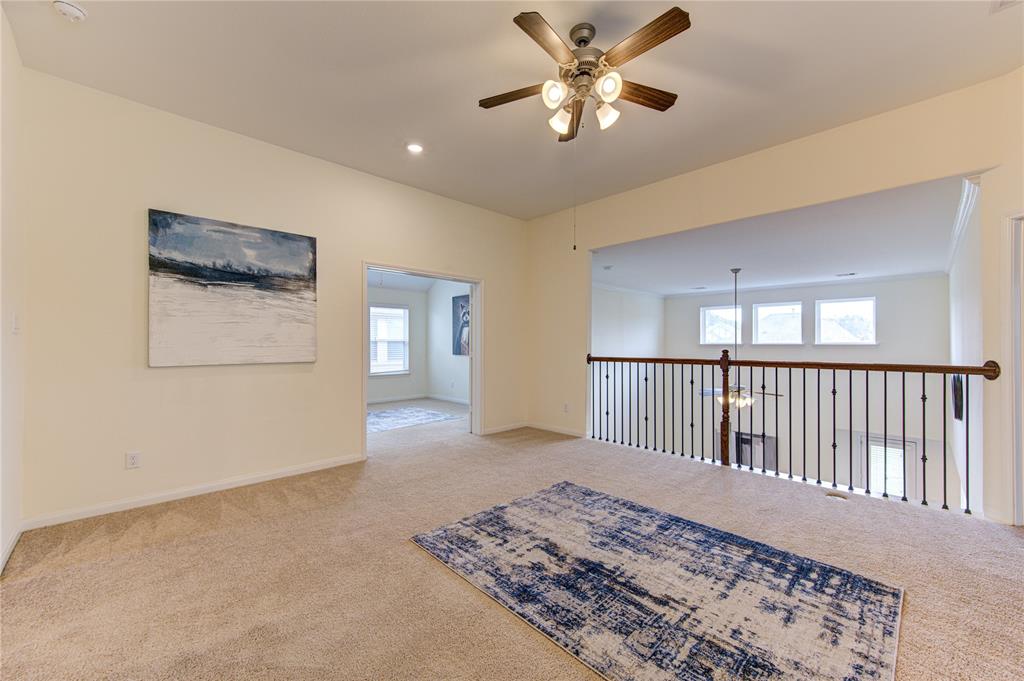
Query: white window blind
887, 469
389, 340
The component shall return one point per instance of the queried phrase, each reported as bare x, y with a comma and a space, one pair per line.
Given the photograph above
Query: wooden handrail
990, 369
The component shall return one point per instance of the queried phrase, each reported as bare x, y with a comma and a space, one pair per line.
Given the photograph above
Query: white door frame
476, 351
1015, 228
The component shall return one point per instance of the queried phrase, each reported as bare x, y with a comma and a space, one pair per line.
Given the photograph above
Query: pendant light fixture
739, 397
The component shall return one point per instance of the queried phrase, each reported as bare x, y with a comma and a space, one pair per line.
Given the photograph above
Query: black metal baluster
945, 449
693, 440
849, 485
764, 417
714, 457
903, 400
593, 401
647, 411
834, 476
606, 410
663, 401
751, 419
614, 406
867, 433
702, 421
655, 372
674, 408
818, 402
629, 403
776, 389
789, 384
638, 403
967, 443
803, 423
924, 442
885, 434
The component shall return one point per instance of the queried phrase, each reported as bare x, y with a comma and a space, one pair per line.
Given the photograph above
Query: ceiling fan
590, 72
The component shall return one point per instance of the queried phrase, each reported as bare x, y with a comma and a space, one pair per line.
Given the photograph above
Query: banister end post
725, 427
994, 369
588, 358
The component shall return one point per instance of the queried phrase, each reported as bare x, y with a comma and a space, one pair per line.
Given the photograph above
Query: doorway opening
420, 358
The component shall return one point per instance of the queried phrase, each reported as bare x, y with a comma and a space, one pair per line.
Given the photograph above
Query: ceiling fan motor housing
582, 34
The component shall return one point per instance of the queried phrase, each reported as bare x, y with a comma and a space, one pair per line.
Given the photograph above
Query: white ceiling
397, 280
895, 232
354, 82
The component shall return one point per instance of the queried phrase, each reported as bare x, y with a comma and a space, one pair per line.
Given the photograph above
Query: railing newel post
723, 363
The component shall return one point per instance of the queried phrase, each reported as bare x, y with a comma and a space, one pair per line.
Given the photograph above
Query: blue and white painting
221, 293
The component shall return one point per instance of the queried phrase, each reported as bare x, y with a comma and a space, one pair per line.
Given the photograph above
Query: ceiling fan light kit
586, 72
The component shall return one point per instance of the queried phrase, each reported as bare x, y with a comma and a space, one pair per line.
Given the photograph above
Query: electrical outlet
133, 459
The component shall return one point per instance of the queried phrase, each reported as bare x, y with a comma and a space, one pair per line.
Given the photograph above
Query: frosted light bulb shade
606, 116
553, 93
609, 86
560, 121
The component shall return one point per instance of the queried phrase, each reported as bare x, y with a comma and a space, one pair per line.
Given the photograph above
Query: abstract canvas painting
221, 293
460, 325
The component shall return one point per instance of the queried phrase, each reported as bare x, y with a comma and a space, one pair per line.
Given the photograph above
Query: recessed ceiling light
70, 11
607, 267
698, 288
846, 274
414, 148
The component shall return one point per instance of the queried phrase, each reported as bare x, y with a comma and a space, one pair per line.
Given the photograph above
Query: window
389, 340
778, 323
887, 467
845, 322
718, 324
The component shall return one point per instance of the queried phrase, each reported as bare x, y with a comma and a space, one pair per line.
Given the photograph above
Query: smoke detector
70, 11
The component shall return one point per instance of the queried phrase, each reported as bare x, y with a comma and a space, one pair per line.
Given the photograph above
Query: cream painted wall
449, 374
98, 163
415, 383
13, 289
962, 132
627, 323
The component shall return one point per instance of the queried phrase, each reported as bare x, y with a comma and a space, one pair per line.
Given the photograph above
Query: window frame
739, 329
856, 299
408, 331
753, 319
912, 476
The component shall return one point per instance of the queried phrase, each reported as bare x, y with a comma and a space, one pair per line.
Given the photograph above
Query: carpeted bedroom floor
313, 577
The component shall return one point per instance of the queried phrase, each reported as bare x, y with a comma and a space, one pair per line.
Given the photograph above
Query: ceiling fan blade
540, 30
505, 98
669, 24
651, 97
574, 122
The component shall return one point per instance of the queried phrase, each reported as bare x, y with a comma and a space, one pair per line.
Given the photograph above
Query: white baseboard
445, 398
400, 398
8, 549
550, 429
182, 492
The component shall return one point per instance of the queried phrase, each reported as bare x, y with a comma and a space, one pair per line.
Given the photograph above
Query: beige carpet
313, 577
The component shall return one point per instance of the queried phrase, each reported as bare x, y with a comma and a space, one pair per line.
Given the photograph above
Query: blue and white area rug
635, 593
403, 417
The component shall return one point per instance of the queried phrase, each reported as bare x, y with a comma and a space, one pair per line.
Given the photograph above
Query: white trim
536, 426
9, 549
400, 398
183, 492
446, 398
1016, 316
968, 199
